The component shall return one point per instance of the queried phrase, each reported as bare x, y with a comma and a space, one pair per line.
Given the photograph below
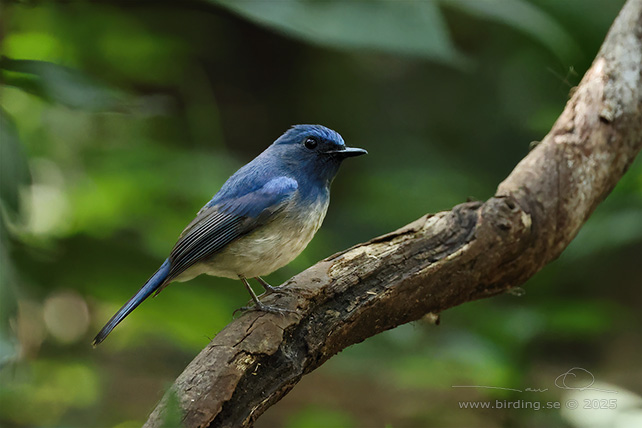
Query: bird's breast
272, 245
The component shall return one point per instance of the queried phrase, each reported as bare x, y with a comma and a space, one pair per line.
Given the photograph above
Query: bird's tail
150, 286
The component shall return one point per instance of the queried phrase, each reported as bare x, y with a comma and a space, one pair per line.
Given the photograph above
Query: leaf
8, 300
59, 84
412, 28
524, 17
14, 171
172, 416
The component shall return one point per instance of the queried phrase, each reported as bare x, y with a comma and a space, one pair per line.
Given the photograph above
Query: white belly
265, 250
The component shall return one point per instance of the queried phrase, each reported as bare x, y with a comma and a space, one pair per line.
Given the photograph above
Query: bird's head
314, 150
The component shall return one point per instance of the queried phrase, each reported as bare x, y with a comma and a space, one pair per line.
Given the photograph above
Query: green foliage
119, 121
14, 172
526, 17
39, 394
173, 415
411, 28
320, 417
14, 175
58, 84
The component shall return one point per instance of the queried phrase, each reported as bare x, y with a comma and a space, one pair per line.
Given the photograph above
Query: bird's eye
310, 143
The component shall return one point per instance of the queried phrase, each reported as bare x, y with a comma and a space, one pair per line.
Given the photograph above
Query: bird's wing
218, 224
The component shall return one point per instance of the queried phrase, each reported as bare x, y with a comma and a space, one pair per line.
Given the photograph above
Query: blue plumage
261, 219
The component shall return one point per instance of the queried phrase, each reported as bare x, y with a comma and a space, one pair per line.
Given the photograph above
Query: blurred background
120, 119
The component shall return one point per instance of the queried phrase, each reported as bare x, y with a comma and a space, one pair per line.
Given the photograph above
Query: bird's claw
266, 308
269, 289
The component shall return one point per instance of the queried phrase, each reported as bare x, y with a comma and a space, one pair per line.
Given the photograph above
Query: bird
260, 220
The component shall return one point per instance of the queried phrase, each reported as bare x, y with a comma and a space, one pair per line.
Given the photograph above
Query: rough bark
476, 250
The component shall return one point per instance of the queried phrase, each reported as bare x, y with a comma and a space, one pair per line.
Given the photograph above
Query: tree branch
476, 250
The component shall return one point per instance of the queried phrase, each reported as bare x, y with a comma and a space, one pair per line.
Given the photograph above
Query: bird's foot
268, 288
276, 290
281, 289
266, 308
273, 290
258, 306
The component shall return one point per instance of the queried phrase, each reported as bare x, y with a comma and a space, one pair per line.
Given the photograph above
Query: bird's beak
349, 152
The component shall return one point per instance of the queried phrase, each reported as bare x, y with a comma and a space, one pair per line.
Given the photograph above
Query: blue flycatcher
261, 219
